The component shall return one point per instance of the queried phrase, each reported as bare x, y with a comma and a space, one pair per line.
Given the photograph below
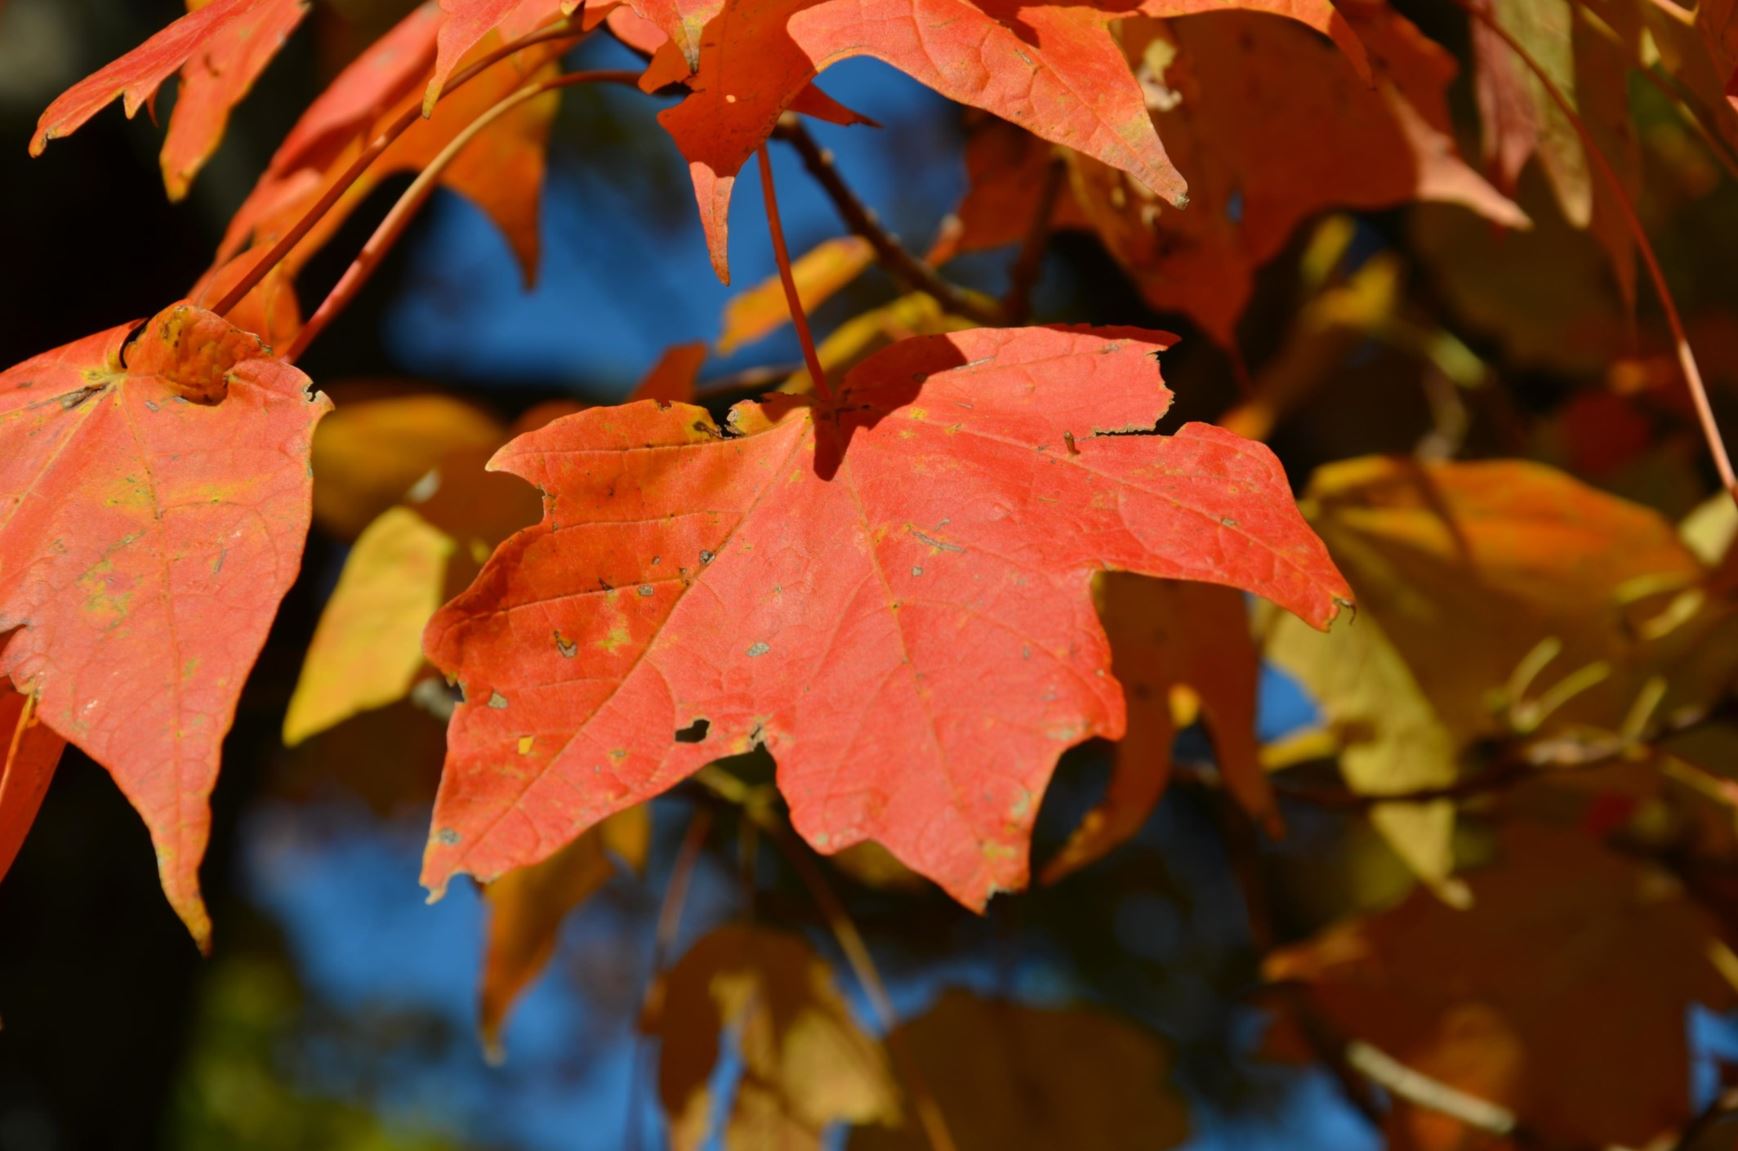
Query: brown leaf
806, 1063
1013, 1077
1561, 995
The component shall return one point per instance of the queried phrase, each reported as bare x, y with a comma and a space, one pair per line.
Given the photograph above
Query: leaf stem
1686, 358
392, 227
799, 318
26, 717
899, 263
377, 147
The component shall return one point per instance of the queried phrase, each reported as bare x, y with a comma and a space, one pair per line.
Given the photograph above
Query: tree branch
899, 263
1512, 763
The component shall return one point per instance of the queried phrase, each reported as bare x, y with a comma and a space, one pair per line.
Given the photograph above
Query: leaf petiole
799, 318
392, 227
286, 243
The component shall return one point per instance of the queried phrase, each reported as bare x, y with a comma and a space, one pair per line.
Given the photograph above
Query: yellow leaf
1495, 599
820, 272
367, 647
1391, 739
368, 454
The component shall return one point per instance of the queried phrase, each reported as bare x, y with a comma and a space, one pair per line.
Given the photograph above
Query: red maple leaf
29, 753
466, 22
154, 496
1053, 69
220, 49
1270, 127
888, 590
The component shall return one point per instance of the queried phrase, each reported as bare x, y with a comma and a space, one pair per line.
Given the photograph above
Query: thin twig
1686, 358
1023, 277
892, 255
1341, 799
1514, 763
1722, 1107
793, 301
392, 227
669, 921
286, 243
1421, 1090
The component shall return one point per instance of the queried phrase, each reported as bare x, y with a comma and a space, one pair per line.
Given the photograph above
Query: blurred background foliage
339, 1012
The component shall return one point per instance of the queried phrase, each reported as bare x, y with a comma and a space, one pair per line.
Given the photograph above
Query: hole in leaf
694, 732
